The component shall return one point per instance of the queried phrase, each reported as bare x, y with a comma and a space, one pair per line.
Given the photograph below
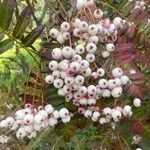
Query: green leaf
6, 13
1, 35
22, 22
5, 45
32, 36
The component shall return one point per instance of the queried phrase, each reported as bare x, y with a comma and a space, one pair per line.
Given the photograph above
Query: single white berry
75, 66
80, 4
83, 26
66, 35
117, 72
137, 102
65, 26
117, 22
38, 119
21, 133
28, 119
3, 124
112, 28
67, 52
56, 53
85, 36
103, 83
90, 57
96, 114
105, 54
101, 72
116, 92
138, 149
94, 75
91, 101
93, 39
107, 111
91, 48
84, 64
110, 47
83, 101
111, 84
37, 127
52, 121
88, 113
32, 135
63, 65
102, 121
19, 115
127, 108
100, 28
14, 126
60, 39
83, 90
117, 81
79, 80
79, 49
98, 13
49, 79
69, 80
63, 112
69, 97
76, 23
66, 119
56, 114
53, 65
116, 115
106, 93
77, 58
9, 121
54, 33
58, 83
86, 72
92, 29
124, 80
61, 92
56, 74
77, 32
28, 128
91, 89
43, 113
67, 89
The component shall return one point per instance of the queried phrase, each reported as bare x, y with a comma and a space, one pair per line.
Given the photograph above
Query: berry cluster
76, 75
72, 66
140, 4
29, 121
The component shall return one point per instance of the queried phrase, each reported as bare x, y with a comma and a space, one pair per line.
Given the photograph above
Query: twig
46, 1
53, 148
62, 7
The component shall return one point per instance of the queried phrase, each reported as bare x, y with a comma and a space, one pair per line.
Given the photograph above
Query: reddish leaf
137, 78
125, 46
134, 90
125, 52
122, 39
136, 128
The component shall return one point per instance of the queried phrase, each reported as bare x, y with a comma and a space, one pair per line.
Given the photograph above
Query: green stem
53, 148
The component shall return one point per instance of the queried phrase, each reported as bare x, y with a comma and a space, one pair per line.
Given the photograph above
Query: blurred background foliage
23, 38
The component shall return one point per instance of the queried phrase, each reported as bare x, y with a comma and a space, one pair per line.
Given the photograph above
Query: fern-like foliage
11, 34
